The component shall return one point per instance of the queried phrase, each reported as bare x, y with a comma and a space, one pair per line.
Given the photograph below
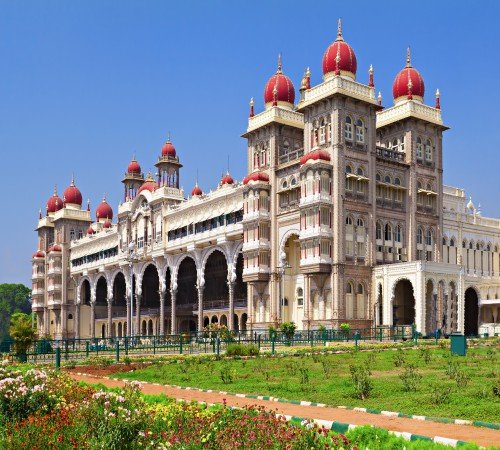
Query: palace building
343, 217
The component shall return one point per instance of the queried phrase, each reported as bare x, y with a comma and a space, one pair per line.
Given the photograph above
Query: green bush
410, 378
288, 329
361, 381
242, 350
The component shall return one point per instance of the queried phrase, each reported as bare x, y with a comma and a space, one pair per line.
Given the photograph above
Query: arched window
397, 234
402, 144
72, 235
361, 290
360, 223
293, 182
378, 177
444, 241
348, 169
420, 149
322, 132
397, 181
388, 232
360, 171
428, 150
300, 296
349, 288
387, 179
348, 129
464, 244
360, 131
348, 220
420, 236
349, 180
452, 242
428, 237
378, 231
395, 145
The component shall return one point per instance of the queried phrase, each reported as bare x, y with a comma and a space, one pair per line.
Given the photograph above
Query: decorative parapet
276, 114
408, 109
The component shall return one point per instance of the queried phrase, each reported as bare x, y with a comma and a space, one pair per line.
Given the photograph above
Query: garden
47, 410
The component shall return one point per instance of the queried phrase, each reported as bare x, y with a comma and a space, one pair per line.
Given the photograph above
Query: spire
339, 30
55, 190
88, 204
252, 113
280, 64
168, 137
438, 99
379, 98
408, 57
308, 78
72, 179
370, 77
40, 213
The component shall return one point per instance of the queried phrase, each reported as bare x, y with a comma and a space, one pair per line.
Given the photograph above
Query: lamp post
281, 271
131, 259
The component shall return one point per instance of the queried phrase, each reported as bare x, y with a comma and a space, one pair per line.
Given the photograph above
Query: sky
84, 85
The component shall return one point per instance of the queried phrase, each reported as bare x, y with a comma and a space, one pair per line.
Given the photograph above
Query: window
378, 231
387, 179
72, 235
360, 172
348, 169
80, 234
322, 132
420, 149
348, 128
348, 221
388, 232
395, 145
420, 236
428, 150
360, 223
397, 234
360, 132
300, 296
452, 242
397, 181
402, 144
428, 237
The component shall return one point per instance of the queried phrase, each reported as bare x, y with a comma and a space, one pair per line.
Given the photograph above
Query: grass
445, 386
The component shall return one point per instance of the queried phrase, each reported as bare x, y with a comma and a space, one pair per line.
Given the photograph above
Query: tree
13, 298
22, 332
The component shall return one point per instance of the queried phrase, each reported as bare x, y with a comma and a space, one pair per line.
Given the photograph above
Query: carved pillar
129, 321
163, 297
231, 305
92, 319
138, 299
200, 308
46, 321
77, 321
110, 316
173, 320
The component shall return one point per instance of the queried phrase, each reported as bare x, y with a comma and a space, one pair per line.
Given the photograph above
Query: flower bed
46, 410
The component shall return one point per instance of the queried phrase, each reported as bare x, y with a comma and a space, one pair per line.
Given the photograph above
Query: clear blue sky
85, 84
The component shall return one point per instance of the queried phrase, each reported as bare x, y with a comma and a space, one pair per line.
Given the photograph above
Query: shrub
410, 378
226, 374
21, 332
425, 354
452, 368
462, 378
345, 328
361, 381
242, 350
440, 394
399, 358
288, 329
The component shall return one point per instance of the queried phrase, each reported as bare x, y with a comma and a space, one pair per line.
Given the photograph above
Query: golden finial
72, 179
55, 190
339, 30
370, 70
251, 102
168, 137
308, 72
408, 57
280, 64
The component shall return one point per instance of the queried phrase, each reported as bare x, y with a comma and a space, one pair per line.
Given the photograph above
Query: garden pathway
469, 433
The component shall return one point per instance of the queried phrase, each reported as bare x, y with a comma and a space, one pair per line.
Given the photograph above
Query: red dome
227, 179
72, 194
134, 167
54, 203
196, 190
285, 92
340, 57
104, 211
55, 248
107, 224
39, 254
90, 231
256, 176
168, 149
149, 185
408, 83
315, 155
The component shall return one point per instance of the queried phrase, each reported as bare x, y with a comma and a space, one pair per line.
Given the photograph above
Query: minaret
168, 166
133, 180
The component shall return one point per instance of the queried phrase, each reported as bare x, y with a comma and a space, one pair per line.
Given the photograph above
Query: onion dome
168, 149
72, 194
318, 154
227, 179
149, 185
54, 203
90, 231
196, 190
107, 224
408, 84
38, 254
134, 167
256, 177
279, 89
104, 211
55, 248
339, 58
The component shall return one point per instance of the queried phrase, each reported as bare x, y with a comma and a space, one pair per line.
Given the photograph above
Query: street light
131, 259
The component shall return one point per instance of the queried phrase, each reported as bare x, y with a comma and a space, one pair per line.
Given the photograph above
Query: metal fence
209, 342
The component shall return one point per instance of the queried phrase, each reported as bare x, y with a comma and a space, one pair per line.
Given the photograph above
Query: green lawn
327, 379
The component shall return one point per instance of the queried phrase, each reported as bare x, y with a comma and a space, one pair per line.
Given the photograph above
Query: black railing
392, 155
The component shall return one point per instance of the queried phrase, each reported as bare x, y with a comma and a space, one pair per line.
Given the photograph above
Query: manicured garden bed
414, 381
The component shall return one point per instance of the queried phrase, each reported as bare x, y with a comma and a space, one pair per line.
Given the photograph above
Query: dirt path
481, 436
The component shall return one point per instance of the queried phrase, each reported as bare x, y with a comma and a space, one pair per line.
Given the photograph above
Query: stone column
173, 325
92, 319
163, 296
77, 321
138, 299
46, 321
110, 316
128, 321
200, 308
230, 323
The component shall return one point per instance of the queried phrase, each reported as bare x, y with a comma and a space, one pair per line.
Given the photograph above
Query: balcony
316, 231
256, 245
37, 292
54, 303
55, 270
291, 156
37, 276
318, 197
54, 288
390, 204
316, 264
425, 209
239, 303
390, 155
37, 304
258, 214
257, 273
356, 196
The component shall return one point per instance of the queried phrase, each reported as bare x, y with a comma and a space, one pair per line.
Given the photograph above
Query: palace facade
343, 217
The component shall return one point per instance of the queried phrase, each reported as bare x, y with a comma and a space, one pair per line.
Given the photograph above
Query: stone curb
477, 423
